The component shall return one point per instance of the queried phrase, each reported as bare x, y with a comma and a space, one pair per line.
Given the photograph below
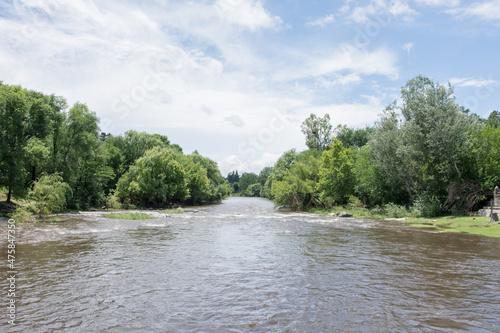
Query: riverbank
477, 225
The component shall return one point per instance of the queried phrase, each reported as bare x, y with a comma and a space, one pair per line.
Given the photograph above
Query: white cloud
382, 10
437, 3
489, 10
469, 82
246, 13
408, 47
322, 21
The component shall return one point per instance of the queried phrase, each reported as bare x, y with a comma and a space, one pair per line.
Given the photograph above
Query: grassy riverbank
478, 225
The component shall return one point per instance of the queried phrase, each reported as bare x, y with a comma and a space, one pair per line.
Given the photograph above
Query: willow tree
423, 141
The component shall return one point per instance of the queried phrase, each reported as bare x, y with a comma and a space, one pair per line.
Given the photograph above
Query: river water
242, 266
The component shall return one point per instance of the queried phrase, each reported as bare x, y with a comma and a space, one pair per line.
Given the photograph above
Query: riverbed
243, 266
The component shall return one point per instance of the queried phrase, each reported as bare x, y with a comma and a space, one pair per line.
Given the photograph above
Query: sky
234, 79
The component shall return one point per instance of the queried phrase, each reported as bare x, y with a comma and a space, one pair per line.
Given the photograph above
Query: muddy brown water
242, 266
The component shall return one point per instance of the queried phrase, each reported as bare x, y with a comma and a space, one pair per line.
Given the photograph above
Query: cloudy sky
234, 79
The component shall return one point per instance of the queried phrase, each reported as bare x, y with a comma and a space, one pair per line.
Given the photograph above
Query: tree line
425, 153
50, 152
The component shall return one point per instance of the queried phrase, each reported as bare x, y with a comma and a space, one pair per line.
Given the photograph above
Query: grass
478, 225
178, 210
129, 216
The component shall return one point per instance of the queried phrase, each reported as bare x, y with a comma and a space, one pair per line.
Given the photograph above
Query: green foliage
281, 167
14, 113
154, 179
296, 185
247, 179
23, 214
129, 216
486, 156
318, 131
353, 138
336, 176
178, 210
423, 147
233, 177
254, 190
50, 194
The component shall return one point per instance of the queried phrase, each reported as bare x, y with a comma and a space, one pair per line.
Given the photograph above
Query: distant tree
233, 177
247, 179
254, 190
353, 137
494, 119
318, 132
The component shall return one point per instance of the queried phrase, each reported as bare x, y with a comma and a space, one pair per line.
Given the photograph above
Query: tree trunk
9, 195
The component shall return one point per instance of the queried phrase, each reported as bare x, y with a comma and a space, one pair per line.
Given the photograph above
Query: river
242, 266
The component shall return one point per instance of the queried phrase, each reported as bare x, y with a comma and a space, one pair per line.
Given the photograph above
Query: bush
23, 214
355, 202
113, 202
396, 211
432, 208
50, 194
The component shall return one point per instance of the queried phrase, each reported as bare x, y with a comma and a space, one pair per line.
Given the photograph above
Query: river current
243, 266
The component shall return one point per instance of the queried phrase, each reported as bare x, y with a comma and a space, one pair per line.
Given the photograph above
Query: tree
296, 185
350, 137
494, 119
336, 176
281, 167
425, 144
233, 177
154, 179
318, 131
14, 112
262, 179
219, 188
247, 179
50, 194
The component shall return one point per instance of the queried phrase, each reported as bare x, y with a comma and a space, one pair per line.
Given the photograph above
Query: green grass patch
478, 225
129, 216
178, 210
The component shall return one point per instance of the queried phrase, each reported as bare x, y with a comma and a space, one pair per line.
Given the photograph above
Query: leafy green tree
197, 181
493, 119
297, 185
50, 194
247, 179
14, 112
37, 155
254, 190
233, 177
318, 131
154, 179
424, 145
353, 137
219, 187
280, 169
336, 176
486, 157
262, 179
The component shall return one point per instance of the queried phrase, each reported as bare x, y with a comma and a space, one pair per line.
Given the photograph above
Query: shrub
396, 211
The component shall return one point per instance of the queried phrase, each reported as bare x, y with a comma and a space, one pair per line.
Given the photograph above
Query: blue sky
234, 79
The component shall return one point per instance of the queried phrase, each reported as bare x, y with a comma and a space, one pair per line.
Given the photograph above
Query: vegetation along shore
425, 158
